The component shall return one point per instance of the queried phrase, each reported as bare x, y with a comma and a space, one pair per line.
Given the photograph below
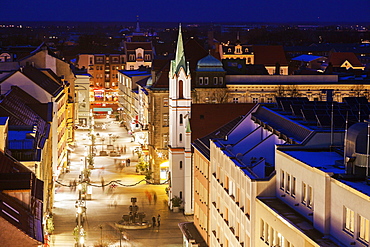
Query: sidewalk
105, 208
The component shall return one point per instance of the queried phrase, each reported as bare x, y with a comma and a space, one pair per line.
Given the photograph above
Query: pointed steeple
180, 57
137, 25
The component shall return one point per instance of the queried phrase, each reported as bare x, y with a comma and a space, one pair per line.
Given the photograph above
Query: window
165, 140
180, 165
304, 193
205, 80
262, 229
282, 179
165, 102
181, 119
147, 57
363, 229
288, 183
254, 100
131, 57
293, 186
310, 197
269, 100
235, 100
181, 89
132, 67
249, 60
200, 80
180, 195
267, 233
221, 80
215, 80
349, 221
165, 119
180, 137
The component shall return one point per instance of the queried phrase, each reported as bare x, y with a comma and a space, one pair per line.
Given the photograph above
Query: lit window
349, 221
165, 140
235, 100
364, 229
165, 102
165, 119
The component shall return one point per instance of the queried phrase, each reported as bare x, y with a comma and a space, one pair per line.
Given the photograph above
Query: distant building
103, 69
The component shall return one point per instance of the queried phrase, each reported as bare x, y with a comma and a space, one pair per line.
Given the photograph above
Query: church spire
137, 25
180, 56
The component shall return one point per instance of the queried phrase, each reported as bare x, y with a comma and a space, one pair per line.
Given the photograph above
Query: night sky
337, 11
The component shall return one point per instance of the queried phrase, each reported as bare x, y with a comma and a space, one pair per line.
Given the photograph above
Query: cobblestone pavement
106, 207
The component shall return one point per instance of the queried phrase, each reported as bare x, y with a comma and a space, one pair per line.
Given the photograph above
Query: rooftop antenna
367, 150
345, 139
359, 112
332, 125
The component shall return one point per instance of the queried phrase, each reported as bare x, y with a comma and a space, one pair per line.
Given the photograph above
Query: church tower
179, 128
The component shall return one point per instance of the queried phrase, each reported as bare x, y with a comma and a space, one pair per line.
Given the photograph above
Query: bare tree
280, 92
220, 95
292, 91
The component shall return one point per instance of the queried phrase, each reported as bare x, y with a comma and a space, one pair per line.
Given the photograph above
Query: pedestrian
155, 197
74, 185
159, 220
128, 161
150, 198
102, 183
153, 219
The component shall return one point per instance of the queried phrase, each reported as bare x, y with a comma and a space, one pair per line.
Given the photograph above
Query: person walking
159, 220
102, 183
153, 219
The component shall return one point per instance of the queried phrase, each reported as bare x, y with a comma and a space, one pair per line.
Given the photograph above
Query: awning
102, 109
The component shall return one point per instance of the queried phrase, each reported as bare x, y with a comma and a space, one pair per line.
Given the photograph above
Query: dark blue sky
187, 10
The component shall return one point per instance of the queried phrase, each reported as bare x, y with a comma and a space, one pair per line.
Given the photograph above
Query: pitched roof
45, 80
269, 55
338, 58
20, 108
206, 118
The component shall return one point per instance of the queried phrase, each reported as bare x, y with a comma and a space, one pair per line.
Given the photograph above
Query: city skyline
283, 11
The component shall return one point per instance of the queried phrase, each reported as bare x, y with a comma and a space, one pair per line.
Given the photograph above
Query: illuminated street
106, 207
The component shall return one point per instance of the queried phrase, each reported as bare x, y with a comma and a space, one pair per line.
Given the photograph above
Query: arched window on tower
181, 119
180, 137
180, 164
181, 89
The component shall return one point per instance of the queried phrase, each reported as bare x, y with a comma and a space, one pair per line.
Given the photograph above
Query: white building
179, 132
301, 194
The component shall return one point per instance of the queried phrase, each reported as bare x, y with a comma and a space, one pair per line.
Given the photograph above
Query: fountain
133, 220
